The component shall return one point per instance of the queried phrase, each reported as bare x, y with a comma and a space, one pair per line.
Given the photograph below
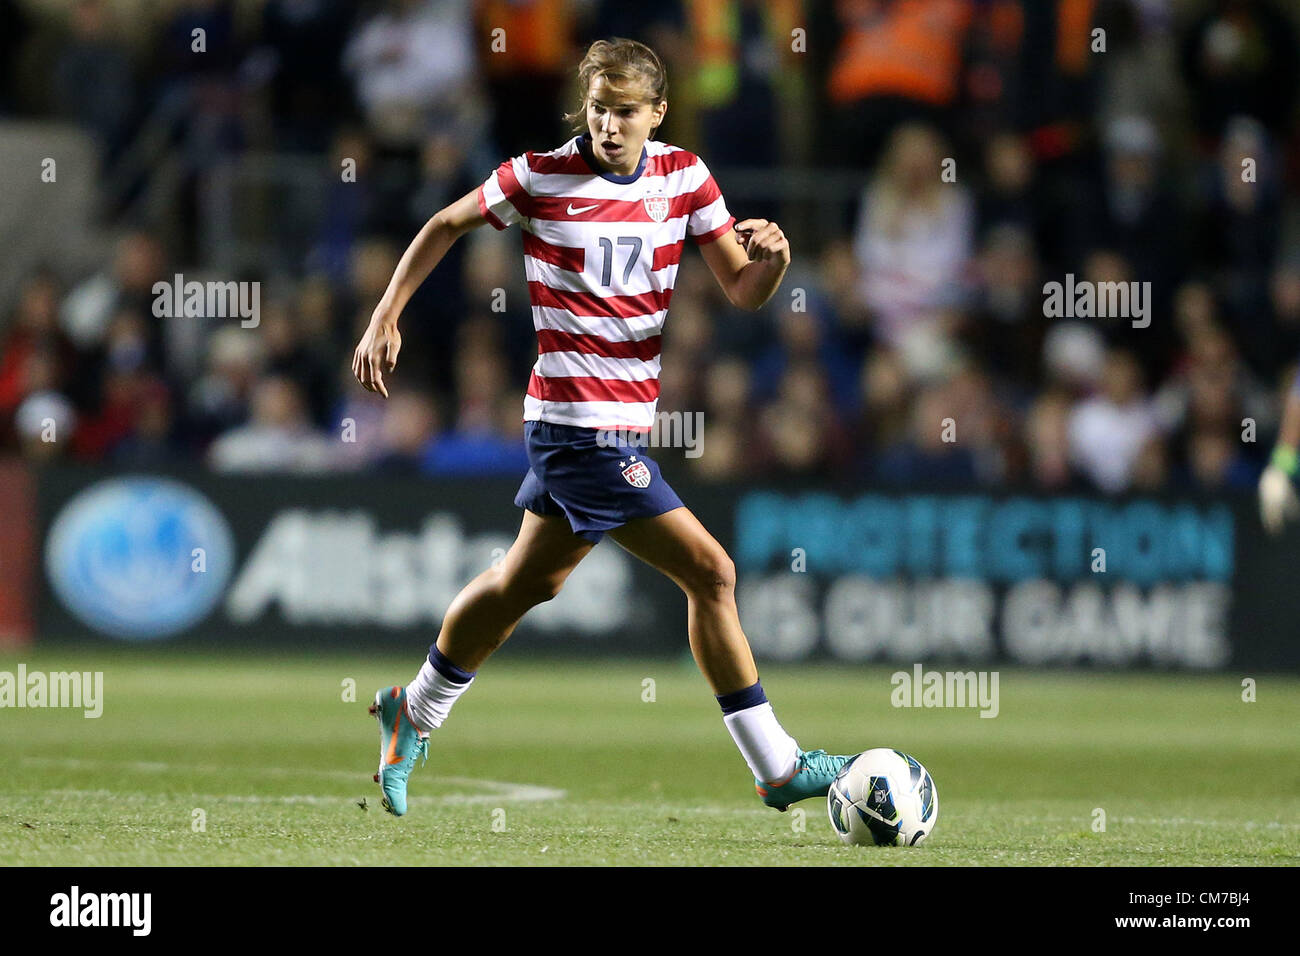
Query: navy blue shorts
596, 488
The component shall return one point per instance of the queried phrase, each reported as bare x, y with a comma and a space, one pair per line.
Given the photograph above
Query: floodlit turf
559, 763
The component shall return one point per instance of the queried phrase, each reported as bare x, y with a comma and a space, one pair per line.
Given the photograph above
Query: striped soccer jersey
601, 253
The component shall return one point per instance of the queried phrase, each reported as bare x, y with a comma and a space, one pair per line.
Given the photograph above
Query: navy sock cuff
742, 699
447, 669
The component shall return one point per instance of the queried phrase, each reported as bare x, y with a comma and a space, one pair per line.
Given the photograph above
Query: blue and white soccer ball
884, 797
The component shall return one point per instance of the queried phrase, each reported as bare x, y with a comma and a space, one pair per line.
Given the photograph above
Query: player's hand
1277, 499
376, 354
763, 240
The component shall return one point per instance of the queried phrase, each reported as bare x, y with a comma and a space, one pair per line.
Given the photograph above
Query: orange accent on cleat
761, 791
395, 692
393, 756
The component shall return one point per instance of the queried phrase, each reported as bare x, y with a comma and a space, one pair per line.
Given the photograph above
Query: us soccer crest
636, 473
656, 205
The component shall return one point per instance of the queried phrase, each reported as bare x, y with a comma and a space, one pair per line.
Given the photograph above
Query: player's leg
477, 622
676, 544
486, 611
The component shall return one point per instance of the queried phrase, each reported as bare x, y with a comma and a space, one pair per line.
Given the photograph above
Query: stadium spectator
487, 436
1216, 462
727, 450
411, 64
1284, 299
1139, 72
926, 457
218, 400
1047, 443
750, 95
139, 261
151, 441
1241, 54
358, 419
35, 354
1010, 196
1242, 229
895, 62
913, 245
531, 46
806, 336
278, 437
1150, 472
353, 206
480, 445
409, 425
301, 54
289, 356
108, 377
886, 396
124, 394
93, 84
688, 344
1130, 211
1109, 430
44, 422
799, 432
1007, 324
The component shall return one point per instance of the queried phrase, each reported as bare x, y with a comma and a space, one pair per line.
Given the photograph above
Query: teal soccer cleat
813, 772
400, 742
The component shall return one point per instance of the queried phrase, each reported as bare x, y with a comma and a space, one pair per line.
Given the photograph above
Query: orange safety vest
1074, 35
909, 48
538, 35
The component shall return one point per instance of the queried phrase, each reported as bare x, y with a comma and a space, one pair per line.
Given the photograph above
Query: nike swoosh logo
574, 212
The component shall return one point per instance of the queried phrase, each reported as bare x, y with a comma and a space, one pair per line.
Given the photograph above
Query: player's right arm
377, 351
1277, 494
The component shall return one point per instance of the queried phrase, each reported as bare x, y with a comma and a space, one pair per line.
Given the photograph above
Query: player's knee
529, 590
712, 576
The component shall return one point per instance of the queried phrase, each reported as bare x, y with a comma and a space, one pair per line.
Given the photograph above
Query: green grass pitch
551, 762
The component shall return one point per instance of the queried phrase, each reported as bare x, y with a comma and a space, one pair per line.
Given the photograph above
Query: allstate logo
121, 556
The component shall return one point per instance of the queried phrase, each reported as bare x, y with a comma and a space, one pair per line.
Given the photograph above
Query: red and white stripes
601, 256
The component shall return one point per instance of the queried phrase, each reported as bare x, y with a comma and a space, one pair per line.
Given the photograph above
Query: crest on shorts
656, 205
635, 473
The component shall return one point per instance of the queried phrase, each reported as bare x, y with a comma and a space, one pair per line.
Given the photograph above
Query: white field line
158, 766
517, 793
1170, 822
495, 790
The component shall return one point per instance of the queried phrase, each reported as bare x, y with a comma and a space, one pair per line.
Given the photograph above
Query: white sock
429, 697
770, 751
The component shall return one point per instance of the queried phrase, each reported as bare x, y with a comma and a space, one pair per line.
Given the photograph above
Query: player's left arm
751, 267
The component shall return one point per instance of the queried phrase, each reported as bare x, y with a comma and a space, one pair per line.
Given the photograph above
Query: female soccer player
604, 219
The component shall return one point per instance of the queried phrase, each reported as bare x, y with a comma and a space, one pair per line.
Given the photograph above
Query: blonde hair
628, 67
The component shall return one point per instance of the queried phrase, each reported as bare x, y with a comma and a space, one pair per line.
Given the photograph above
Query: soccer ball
883, 797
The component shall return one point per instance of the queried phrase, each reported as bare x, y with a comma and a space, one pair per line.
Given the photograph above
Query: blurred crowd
1000, 145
